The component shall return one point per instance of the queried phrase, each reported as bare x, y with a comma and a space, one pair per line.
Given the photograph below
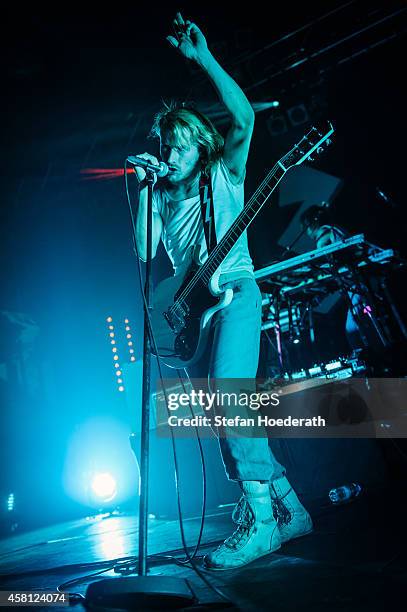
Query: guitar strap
207, 210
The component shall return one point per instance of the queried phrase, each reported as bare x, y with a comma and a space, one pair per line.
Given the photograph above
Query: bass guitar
183, 305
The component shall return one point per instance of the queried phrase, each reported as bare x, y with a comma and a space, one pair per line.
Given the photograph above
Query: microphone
161, 170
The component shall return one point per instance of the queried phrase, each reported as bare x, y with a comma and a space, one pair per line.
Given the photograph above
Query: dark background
80, 87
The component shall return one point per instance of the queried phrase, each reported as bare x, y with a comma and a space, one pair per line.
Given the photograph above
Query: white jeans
235, 354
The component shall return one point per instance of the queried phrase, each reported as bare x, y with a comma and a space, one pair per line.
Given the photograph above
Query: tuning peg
328, 142
311, 159
320, 150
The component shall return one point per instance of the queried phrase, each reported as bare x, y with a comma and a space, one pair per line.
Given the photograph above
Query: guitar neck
242, 222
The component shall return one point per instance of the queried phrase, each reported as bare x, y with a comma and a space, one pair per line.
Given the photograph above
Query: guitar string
201, 272
253, 200
217, 249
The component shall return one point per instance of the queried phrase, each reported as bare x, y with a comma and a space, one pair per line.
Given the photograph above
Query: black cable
204, 481
159, 558
188, 561
176, 471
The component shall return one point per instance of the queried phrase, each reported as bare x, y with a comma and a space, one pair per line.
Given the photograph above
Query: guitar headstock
313, 143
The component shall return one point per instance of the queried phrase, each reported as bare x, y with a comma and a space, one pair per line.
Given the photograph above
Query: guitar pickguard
185, 319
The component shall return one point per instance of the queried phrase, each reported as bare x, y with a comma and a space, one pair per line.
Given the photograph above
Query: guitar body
181, 334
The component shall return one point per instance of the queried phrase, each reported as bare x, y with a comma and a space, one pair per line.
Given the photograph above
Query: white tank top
183, 227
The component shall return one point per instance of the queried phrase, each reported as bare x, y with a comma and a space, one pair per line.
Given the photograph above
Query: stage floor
354, 560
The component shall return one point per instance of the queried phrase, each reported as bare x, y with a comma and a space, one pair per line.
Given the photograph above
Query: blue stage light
104, 486
10, 502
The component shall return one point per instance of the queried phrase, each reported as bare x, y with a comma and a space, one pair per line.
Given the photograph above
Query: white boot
292, 518
256, 535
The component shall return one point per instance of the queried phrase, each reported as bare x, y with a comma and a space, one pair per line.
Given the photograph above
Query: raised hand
188, 39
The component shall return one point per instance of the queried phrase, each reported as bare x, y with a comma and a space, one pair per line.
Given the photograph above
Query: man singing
269, 512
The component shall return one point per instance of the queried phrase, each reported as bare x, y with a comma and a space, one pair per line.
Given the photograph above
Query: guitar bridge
176, 321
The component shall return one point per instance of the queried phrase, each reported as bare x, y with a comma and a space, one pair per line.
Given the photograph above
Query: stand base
139, 593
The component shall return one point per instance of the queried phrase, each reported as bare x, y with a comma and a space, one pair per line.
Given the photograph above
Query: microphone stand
146, 395
143, 591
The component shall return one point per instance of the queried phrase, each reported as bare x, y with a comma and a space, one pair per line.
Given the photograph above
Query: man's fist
188, 39
141, 174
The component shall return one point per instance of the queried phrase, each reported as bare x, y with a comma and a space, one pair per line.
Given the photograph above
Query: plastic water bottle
345, 493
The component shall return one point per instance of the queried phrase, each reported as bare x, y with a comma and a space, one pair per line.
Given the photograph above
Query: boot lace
243, 517
281, 513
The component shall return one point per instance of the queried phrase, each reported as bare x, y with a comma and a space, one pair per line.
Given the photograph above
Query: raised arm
190, 41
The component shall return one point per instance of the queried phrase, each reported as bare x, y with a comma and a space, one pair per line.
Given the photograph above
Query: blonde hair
185, 125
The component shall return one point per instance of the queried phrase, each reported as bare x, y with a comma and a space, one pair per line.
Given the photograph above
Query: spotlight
277, 124
298, 114
10, 502
129, 339
104, 486
113, 342
116, 339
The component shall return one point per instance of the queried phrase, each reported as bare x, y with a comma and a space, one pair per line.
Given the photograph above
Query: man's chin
173, 177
